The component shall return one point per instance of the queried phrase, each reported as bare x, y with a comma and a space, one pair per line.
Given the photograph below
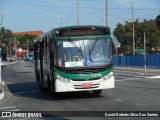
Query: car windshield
83, 53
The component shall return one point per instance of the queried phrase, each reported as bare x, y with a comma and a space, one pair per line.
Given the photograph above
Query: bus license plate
86, 85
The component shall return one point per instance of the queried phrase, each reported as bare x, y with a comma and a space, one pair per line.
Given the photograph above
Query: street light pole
106, 12
77, 12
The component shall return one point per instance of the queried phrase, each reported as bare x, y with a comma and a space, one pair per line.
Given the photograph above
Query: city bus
75, 58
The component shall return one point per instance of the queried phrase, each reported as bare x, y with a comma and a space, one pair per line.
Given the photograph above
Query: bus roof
51, 32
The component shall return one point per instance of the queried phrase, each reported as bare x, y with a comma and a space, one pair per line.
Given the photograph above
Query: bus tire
38, 77
41, 87
97, 92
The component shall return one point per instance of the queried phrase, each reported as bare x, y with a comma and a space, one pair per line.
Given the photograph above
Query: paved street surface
131, 93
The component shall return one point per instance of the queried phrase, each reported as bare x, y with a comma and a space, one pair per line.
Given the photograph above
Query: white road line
131, 79
8, 107
139, 104
130, 75
119, 100
1, 94
15, 110
154, 77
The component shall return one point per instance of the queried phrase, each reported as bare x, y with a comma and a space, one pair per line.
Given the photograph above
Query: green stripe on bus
86, 77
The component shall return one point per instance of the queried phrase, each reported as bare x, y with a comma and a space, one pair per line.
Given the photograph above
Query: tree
158, 21
123, 33
23, 39
5, 37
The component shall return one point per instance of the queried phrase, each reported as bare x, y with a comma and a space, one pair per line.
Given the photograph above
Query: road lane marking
129, 75
131, 79
15, 110
8, 107
119, 100
154, 77
139, 104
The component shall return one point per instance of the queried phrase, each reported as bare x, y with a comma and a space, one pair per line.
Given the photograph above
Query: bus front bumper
70, 85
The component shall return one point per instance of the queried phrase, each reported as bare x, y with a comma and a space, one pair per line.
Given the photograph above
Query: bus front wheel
97, 92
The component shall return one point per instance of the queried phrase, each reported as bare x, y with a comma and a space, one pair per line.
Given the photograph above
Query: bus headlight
61, 78
107, 76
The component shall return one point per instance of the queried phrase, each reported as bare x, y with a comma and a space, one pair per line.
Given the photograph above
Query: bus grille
94, 85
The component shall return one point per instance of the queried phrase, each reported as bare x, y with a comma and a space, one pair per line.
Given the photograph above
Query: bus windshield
83, 53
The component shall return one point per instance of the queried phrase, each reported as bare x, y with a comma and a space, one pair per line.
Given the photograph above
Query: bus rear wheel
97, 92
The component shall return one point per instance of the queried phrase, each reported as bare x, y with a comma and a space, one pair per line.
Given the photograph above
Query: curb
136, 76
1, 93
2, 90
5, 95
8, 63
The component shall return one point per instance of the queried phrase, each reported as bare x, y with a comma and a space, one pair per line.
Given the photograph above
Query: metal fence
152, 60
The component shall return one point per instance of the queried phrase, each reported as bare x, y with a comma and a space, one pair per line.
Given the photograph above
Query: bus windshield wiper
93, 46
78, 48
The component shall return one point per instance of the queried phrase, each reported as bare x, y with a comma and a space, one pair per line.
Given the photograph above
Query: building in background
20, 52
37, 33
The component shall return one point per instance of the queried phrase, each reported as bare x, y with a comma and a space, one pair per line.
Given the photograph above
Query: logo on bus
89, 62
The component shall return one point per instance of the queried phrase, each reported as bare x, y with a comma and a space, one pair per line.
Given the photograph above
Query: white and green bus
75, 58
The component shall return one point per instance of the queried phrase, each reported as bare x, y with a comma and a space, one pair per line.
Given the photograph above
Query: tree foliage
24, 40
124, 34
5, 37
158, 20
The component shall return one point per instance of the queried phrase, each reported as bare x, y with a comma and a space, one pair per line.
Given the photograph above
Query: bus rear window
82, 32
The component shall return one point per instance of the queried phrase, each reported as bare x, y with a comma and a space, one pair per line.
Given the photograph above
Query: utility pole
133, 30
106, 12
27, 49
145, 53
77, 12
10, 49
2, 14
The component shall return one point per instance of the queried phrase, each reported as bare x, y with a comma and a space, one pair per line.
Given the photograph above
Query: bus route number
96, 75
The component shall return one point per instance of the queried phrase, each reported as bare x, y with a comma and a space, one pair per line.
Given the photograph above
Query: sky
44, 15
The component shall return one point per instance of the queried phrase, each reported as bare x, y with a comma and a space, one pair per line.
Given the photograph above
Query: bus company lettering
96, 75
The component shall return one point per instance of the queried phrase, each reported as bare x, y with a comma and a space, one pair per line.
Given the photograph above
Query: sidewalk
2, 90
5, 63
138, 71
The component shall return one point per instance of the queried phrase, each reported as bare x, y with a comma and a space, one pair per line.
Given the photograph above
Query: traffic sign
139, 50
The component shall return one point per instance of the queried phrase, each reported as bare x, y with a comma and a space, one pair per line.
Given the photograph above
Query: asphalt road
22, 93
